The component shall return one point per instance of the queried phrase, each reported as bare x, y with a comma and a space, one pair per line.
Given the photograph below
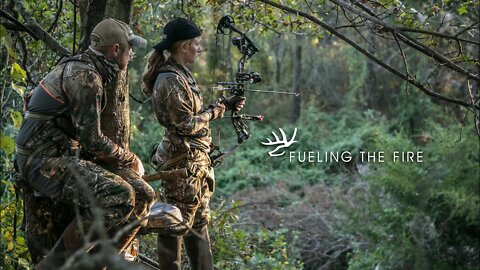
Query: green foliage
17, 73
11, 121
317, 131
421, 215
416, 215
147, 132
237, 248
14, 253
7, 145
357, 69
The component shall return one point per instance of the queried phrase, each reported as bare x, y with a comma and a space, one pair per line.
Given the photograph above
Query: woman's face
191, 50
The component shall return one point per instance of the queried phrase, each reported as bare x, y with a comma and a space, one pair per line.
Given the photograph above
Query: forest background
372, 76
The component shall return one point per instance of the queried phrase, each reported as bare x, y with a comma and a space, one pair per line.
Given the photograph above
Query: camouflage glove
235, 103
217, 110
137, 166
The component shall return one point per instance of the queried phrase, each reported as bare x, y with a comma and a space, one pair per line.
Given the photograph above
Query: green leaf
20, 240
18, 88
18, 73
10, 246
7, 145
16, 117
7, 40
462, 10
3, 31
24, 263
8, 235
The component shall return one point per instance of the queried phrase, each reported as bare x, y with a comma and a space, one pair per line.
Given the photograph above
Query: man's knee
119, 202
144, 198
145, 193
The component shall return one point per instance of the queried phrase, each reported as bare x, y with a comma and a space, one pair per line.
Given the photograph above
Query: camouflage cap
110, 31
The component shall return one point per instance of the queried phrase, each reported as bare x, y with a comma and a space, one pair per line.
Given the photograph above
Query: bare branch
309, 7
476, 117
354, 25
23, 44
407, 39
404, 29
57, 16
467, 28
404, 61
369, 55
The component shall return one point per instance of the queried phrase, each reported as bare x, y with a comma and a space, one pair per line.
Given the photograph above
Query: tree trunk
297, 79
116, 115
278, 67
371, 90
278, 63
119, 9
91, 13
476, 98
278, 51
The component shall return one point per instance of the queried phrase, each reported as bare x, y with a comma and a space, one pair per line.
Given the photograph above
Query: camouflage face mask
107, 68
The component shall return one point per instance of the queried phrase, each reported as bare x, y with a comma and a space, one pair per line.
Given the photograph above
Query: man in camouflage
66, 161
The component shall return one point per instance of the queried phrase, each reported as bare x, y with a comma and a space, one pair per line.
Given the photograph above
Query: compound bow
225, 26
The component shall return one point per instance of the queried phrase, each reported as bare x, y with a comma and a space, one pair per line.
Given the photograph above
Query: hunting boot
198, 250
169, 252
70, 241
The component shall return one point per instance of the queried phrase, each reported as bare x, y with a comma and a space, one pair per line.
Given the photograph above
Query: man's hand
137, 166
235, 103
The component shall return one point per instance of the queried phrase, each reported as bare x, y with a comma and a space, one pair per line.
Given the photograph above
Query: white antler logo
280, 143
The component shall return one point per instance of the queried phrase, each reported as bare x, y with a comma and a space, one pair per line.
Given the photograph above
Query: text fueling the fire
283, 143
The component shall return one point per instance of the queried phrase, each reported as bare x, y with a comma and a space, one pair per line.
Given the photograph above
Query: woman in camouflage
186, 143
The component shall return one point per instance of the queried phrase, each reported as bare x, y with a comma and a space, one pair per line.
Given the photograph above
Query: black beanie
176, 30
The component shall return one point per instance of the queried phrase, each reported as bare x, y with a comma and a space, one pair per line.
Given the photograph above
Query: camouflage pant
192, 194
84, 186
45, 222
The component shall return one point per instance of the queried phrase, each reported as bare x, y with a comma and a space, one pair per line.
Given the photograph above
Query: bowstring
222, 56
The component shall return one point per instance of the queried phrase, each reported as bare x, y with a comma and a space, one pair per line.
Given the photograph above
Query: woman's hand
235, 103
217, 110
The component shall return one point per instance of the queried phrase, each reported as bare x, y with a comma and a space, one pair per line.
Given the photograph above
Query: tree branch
467, 28
404, 29
13, 26
16, 25
57, 16
476, 117
40, 32
369, 55
407, 39
407, 73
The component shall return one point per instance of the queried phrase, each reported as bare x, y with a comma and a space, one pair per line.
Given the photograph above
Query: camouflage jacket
178, 106
74, 92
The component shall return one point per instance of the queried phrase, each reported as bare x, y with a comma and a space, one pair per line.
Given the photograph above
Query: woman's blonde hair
155, 59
